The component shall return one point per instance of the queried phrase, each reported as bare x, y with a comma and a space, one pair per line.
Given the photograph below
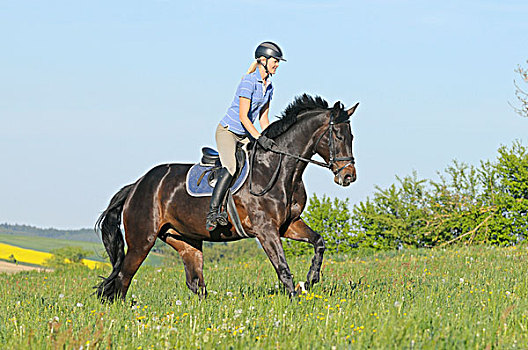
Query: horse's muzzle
346, 176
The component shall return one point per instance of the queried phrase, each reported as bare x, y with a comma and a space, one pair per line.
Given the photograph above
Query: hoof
300, 288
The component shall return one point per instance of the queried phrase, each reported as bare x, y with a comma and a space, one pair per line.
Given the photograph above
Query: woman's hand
266, 142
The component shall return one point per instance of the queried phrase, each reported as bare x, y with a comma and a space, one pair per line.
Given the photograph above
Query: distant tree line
487, 204
85, 234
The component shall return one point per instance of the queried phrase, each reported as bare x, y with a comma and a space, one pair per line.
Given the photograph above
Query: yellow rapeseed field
35, 257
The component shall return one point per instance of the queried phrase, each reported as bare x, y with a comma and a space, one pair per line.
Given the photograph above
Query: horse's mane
290, 115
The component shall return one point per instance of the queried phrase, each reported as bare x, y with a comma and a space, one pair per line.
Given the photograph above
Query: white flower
229, 294
61, 296
461, 280
397, 304
238, 311
79, 305
178, 302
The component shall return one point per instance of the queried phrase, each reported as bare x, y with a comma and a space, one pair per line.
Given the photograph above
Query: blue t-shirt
251, 87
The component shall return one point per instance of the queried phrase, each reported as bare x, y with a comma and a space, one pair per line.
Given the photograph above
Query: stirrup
221, 218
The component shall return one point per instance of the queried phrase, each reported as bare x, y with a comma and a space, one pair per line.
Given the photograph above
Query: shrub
485, 204
67, 255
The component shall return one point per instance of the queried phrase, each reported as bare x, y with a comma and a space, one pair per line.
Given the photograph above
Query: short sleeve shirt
252, 88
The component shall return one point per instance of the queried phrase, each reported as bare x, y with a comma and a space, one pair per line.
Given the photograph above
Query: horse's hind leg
138, 249
192, 256
299, 231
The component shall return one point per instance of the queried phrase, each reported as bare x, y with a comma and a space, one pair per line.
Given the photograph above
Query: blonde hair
253, 67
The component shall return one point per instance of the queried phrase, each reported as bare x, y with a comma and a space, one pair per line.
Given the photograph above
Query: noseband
332, 160
331, 146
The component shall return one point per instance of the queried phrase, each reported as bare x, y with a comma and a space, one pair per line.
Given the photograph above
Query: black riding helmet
269, 49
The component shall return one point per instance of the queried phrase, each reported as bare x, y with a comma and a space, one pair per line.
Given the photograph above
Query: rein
328, 165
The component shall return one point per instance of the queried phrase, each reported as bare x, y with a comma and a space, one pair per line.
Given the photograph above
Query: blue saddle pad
204, 189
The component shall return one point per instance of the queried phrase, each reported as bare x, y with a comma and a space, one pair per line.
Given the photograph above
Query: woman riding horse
252, 100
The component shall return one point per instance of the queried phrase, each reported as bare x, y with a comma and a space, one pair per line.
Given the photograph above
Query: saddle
201, 177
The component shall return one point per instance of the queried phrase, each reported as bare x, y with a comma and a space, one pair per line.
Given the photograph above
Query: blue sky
95, 93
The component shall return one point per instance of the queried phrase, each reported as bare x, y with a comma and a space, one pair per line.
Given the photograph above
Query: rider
252, 100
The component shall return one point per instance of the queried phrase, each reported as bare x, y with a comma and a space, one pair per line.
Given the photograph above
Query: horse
157, 206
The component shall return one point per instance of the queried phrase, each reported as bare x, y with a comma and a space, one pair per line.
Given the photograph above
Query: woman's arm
245, 103
264, 121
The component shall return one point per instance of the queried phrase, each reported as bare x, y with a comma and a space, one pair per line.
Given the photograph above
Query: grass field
466, 298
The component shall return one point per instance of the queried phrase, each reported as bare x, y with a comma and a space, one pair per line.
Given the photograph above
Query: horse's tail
109, 223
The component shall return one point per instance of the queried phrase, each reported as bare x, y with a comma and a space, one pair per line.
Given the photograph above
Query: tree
520, 93
331, 219
488, 204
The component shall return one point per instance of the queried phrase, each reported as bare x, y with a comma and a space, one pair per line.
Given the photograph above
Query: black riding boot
214, 216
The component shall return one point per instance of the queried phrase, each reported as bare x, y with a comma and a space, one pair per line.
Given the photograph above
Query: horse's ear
351, 111
337, 106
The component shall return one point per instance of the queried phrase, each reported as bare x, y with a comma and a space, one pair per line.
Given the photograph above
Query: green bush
485, 204
67, 255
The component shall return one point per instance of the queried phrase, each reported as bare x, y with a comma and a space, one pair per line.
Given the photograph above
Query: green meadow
471, 298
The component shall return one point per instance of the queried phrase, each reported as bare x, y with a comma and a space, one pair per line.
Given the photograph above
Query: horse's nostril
348, 178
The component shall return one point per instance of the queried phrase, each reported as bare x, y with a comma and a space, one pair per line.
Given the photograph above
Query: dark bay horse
158, 206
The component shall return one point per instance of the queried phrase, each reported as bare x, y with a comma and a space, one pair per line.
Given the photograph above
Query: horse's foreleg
299, 231
272, 245
192, 256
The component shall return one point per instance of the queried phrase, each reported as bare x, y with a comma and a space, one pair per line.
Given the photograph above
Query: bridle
331, 161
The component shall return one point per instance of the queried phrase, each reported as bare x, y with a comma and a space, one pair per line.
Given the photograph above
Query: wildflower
79, 305
61, 296
229, 294
178, 302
